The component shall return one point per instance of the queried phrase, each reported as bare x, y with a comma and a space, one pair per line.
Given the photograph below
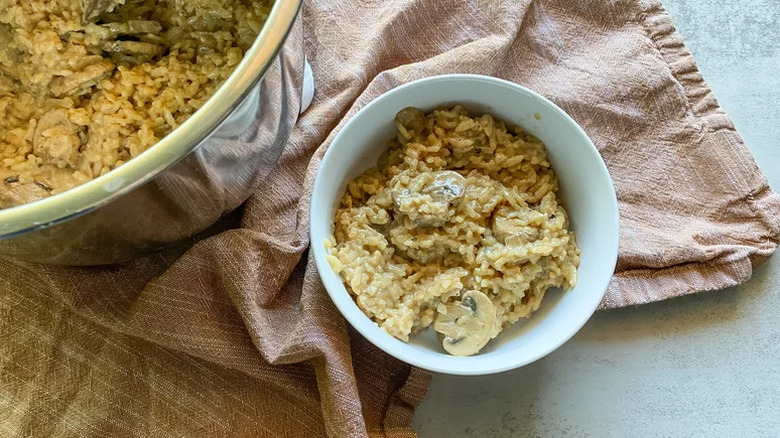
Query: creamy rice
457, 204
86, 85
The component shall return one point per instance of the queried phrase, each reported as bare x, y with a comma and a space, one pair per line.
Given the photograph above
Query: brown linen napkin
235, 336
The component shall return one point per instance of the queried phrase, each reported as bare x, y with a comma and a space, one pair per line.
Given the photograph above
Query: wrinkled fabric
234, 335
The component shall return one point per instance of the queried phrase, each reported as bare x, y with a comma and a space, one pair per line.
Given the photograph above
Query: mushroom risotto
86, 85
458, 226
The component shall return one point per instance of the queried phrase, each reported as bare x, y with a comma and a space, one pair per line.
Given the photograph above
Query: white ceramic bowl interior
585, 187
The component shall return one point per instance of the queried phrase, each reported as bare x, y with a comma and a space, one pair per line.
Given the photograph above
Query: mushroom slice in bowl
467, 325
429, 198
56, 139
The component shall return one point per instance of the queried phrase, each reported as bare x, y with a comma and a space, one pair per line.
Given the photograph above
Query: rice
457, 203
54, 135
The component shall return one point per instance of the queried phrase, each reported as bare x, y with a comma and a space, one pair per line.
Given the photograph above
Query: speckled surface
706, 365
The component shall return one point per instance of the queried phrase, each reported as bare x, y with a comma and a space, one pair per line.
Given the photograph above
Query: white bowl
585, 188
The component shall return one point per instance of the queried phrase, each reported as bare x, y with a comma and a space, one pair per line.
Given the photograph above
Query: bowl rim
345, 308
82, 199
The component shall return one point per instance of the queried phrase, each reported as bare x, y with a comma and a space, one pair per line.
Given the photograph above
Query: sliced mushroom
209, 22
17, 194
467, 325
129, 42
139, 49
80, 83
413, 119
429, 197
133, 27
56, 139
445, 186
410, 123
92, 9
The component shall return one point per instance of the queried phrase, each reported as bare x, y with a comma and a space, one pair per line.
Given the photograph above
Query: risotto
457, 227
86, 85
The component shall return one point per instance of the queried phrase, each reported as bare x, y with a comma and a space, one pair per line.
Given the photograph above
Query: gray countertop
702, 365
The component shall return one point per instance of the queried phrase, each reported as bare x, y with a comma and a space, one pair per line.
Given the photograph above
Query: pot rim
170, 149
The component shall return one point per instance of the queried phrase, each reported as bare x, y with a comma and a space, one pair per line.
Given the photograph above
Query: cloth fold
233, 335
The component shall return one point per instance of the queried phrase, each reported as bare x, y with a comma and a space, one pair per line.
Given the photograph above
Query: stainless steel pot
201, 171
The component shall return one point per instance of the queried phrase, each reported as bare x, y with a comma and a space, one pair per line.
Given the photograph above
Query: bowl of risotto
464, 224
